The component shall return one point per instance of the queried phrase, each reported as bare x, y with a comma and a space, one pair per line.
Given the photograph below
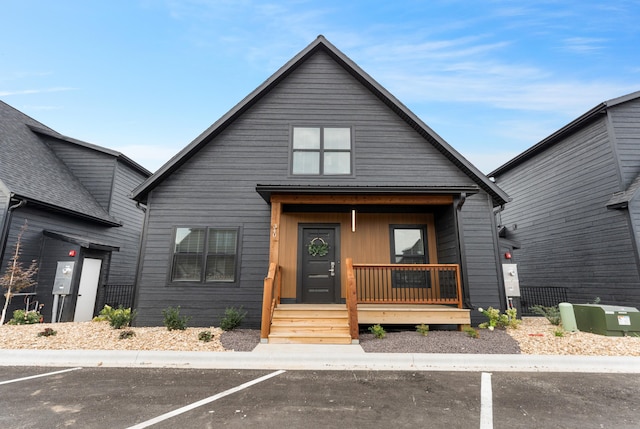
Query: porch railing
408, 284
270, 298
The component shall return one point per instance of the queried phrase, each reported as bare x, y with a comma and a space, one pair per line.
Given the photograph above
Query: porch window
408, 246
208, 254
321, 151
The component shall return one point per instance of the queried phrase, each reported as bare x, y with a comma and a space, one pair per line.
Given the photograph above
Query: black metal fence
115, 296
545, 296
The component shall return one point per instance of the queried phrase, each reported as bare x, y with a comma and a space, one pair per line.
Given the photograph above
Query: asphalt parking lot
38, 397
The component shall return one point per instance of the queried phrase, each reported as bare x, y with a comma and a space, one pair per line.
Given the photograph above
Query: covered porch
336, 263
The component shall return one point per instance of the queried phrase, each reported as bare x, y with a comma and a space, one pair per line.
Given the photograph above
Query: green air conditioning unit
610, 320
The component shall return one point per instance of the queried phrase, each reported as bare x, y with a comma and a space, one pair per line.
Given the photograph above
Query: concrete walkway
319, 357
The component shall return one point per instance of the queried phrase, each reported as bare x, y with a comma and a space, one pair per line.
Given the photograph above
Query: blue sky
146, 77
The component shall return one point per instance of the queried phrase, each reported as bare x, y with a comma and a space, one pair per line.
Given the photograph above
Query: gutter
7, 223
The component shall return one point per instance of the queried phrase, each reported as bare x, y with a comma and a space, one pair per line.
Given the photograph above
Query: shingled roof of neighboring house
498, 195
30, 170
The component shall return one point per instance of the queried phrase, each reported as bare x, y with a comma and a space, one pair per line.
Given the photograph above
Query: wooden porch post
267, 293
352, 300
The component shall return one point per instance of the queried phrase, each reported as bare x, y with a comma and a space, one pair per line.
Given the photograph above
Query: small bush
118, 318
47, 332
205, 336
471, 332
378, 331
232, 318
559, 332
21, 317
172, 319
551, 313
422, 329
126, 334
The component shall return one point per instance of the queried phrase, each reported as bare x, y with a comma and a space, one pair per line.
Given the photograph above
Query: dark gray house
576, 207
345, 200
83, 229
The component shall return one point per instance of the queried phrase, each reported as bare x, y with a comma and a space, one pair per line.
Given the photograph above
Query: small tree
16, 278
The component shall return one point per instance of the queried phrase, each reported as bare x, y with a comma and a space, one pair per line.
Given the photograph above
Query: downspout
466, 298
6, 224
141, 243
502, 294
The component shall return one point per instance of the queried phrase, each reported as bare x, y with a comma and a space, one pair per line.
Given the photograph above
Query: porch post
267, 294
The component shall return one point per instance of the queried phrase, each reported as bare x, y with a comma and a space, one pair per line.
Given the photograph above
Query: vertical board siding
558, 214
216, 187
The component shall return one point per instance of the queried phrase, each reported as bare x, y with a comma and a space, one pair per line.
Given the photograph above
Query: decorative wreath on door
318, 247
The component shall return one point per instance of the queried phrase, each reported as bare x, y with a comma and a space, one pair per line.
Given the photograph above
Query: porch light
353, 220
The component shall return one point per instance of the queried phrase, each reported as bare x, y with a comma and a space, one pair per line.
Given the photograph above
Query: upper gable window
321, 151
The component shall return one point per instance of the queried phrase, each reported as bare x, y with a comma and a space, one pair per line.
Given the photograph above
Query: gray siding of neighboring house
216, 187
32, 241
625, 121
127, 237
558, 214
94, 169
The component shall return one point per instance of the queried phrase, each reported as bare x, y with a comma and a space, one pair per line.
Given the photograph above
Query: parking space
125, 397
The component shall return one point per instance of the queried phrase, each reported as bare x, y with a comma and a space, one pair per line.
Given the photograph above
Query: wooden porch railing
270, 298
407, 284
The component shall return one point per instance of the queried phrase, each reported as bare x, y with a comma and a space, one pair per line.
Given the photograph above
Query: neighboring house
321, 181
82, 227
576, 207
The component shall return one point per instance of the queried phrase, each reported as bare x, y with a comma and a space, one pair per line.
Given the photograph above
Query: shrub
422, 329
496, 320
118, 318
378, 331
559, 332
471, 332
551, 313
172, 319
232, 318
22, 317
47, 332
205, 336
126, 334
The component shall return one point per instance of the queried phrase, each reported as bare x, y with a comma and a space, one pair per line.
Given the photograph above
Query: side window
325, 151
205, 255
409, 246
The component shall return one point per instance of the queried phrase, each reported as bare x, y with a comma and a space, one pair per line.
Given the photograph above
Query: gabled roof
572, 127
30, 170
114, 153
498, 195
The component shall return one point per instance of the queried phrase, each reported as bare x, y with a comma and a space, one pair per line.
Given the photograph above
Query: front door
87, 290
319, 264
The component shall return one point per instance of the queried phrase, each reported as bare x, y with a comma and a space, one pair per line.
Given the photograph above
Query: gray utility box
610, 320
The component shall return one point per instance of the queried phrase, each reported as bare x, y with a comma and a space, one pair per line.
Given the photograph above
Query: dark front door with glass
318, 264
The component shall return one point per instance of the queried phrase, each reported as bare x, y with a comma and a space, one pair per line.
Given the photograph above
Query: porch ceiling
363, 194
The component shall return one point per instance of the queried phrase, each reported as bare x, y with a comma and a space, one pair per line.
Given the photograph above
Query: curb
310, 358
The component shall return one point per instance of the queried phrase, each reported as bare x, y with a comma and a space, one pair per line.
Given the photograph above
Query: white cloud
34, 91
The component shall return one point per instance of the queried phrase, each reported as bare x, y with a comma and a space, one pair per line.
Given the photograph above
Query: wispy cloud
583, 45
34, 91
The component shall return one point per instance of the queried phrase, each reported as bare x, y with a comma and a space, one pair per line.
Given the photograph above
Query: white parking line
16, 380
486, 402
204, 401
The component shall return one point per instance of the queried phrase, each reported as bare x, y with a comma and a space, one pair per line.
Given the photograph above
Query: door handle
332, 269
